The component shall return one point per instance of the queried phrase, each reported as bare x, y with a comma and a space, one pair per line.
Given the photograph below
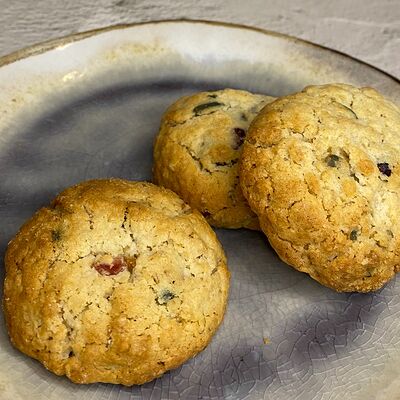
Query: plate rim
48, 45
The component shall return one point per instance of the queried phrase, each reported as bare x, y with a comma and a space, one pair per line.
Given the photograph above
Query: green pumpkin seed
201, 107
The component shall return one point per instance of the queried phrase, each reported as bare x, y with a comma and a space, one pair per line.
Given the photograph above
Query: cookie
112, 283
321, 170
197, 150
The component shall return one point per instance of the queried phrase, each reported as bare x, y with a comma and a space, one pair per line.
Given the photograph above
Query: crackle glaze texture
92, 109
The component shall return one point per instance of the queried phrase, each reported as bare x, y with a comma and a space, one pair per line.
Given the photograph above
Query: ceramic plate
89, 106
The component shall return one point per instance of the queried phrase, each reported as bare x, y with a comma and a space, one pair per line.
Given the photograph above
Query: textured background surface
369, 30
308, 345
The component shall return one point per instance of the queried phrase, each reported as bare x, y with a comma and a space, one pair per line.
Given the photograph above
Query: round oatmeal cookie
197, 150
112, 283
321, 170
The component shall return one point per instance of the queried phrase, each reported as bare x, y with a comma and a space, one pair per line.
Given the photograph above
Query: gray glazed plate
89, 106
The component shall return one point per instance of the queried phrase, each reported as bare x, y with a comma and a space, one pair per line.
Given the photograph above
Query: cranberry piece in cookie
108, 265
240, 134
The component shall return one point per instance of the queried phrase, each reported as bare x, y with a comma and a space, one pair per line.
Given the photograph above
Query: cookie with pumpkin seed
112, 282
197, 150
321, 170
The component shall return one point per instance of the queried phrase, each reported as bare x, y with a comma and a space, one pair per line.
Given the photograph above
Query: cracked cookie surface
112, 283
197, 150
321, 170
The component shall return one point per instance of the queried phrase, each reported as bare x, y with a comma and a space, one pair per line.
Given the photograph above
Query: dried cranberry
114, 268
384, 168
240, 134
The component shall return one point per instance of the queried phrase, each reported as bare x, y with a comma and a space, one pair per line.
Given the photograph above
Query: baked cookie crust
321, 169
116, 282
197, 150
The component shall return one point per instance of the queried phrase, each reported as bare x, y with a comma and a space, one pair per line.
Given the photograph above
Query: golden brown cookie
321, 170
115, 281
197, 150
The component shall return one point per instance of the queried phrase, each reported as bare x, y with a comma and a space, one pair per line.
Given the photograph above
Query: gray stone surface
366, 29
